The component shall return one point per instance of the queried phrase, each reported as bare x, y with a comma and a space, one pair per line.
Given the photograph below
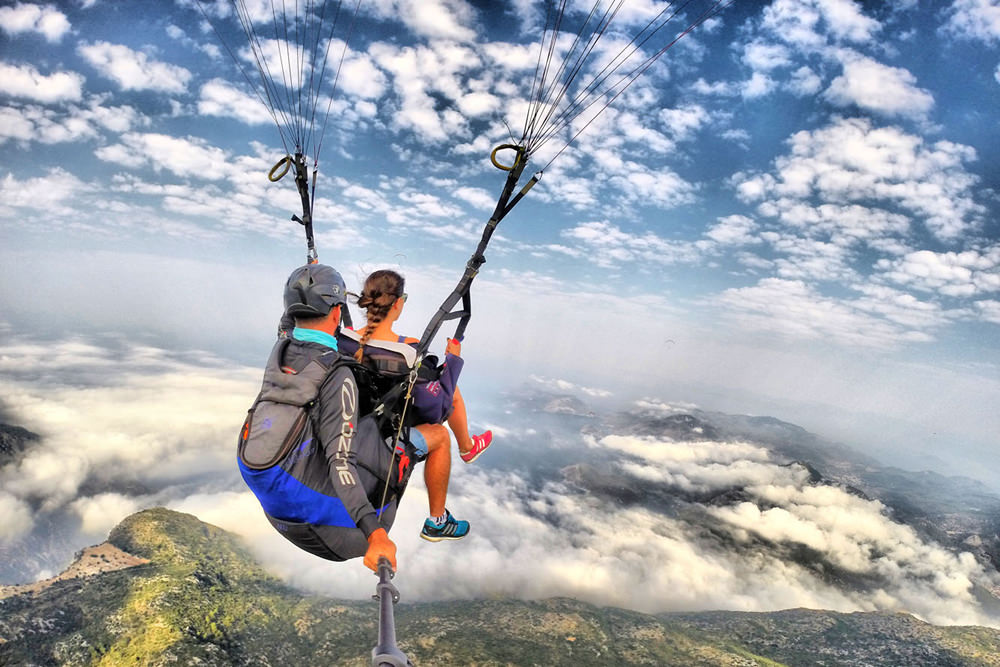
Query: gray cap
313, 290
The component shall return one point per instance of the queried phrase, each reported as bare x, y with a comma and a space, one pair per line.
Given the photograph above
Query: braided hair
381, 290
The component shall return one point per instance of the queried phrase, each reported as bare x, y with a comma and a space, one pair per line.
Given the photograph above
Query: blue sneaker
452, 529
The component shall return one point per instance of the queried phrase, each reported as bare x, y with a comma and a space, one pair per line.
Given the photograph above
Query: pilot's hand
380, 545
453, 347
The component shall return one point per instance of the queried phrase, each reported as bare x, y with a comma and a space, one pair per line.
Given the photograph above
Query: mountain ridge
203, 598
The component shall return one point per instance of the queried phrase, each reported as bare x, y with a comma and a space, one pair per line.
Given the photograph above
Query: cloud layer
127, 426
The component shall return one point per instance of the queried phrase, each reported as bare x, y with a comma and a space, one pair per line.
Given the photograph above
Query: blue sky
793, 213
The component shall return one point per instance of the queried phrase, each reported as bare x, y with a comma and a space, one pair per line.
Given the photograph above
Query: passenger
434, 402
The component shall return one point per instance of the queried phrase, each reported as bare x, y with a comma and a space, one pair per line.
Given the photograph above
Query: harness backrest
387, 365
386, 356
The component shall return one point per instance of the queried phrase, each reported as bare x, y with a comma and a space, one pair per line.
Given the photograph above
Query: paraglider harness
386, 378
276, 422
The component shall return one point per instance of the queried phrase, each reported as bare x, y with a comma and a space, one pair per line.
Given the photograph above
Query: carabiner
285, 162
518, 149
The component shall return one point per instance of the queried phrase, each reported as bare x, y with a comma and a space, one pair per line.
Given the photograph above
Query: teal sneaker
452, 529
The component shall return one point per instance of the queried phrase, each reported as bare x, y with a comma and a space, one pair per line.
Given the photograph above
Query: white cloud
716, 89
72, 123
851, 161
684, 122
843, 224
99, 514
53, 192
988, 310
278, 57
360, 77
805, 82
846, 21
648, 185
569, 543
795, 310
758, 85
117, 431
810, 259
567, 546
764, 57
422, 76
569, 387
426, 206
812, 24
179, 155
23, 17
13, 125
109, 413
114, 118
208, 48
733, 230
851, 532
900, 308
134, 70
477, 197
479, 104
219, 98
958, 274
511, 57
974, 19
876, 87
27, 82
435, 19
120, 154
17, 518
606, 244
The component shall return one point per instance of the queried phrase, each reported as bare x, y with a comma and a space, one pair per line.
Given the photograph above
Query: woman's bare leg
458, 421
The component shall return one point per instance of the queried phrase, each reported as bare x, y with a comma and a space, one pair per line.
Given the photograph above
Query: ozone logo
267, 424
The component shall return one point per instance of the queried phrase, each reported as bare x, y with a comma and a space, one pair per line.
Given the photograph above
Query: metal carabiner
285, 162
514, 147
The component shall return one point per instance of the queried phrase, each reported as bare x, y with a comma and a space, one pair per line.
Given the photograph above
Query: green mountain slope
203, 600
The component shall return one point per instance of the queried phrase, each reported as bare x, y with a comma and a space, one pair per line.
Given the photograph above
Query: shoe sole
481, 452
474, 457
442, 538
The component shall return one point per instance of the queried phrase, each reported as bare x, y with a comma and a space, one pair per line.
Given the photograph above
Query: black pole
386, 653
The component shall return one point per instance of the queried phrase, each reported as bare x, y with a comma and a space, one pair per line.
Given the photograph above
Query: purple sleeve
433, 400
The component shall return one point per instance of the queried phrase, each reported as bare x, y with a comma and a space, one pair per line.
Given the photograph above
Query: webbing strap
461, 292
302, 184
411, 380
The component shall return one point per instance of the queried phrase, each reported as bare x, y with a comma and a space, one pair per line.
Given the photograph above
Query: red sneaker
479, 445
